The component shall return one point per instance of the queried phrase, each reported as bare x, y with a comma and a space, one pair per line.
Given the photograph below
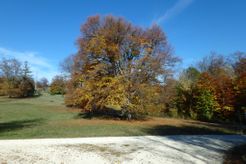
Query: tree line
128, 71
215, 90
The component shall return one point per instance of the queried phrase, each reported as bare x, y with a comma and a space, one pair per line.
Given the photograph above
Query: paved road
144, 149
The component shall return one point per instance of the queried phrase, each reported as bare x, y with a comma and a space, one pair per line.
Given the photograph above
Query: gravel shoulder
140, 149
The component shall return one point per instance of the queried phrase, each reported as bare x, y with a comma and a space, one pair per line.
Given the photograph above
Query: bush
58, 86
19, 88
27, 87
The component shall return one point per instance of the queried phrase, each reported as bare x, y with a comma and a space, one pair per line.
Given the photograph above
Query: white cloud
176, 9
32, 57
40, 66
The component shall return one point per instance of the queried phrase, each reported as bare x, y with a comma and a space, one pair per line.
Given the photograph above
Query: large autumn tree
119, 66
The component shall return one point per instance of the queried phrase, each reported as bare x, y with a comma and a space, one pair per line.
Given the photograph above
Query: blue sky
44, 32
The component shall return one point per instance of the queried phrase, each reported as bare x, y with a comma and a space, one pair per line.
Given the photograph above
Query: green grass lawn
47, 117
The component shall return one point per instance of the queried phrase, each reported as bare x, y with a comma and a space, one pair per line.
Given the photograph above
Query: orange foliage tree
119, 66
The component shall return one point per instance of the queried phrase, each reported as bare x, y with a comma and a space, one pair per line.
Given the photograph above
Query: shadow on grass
162, 130
89, 116
236, 155
16, 125
26, 97
234, 126
7, 99
109, 115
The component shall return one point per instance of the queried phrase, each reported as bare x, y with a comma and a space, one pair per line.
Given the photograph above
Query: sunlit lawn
47, 117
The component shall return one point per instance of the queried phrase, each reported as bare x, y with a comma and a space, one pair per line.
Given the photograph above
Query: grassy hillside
47, 117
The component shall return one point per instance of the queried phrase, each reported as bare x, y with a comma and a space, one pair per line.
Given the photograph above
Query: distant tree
186, 90
225, 96
17, 79
10, 68
205, 104
26, 87
205, 99
215, 64
58, 85
26, 72
3, 86
168, 95
239, 66
67, 65
238, 62
42, 84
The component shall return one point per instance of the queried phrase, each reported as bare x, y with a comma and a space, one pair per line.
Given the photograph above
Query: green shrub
205, 105
57, 86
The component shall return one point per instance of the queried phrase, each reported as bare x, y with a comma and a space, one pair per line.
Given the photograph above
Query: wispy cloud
40, 66
176, 9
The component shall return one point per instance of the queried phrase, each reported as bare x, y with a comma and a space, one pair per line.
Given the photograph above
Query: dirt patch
108, 151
